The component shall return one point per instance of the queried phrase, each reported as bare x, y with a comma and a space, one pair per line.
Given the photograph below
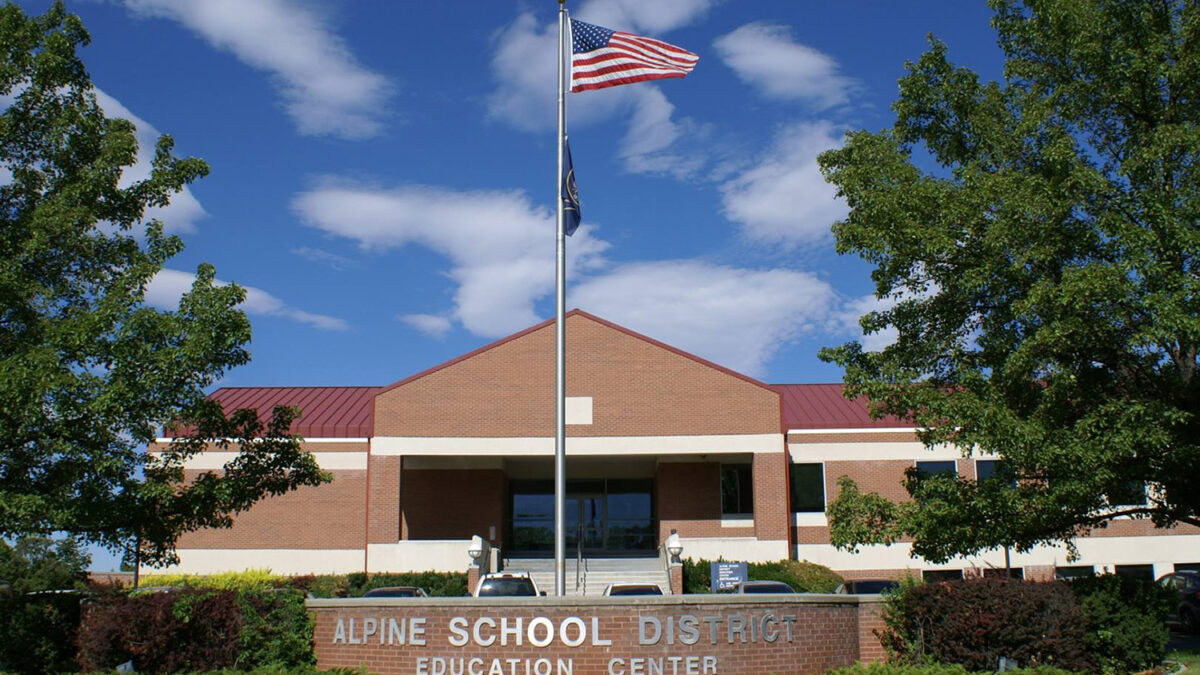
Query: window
737, 489
1143, 572
1013, 572
1074, 572
808, 488
1187, 567
941, 575
934, 468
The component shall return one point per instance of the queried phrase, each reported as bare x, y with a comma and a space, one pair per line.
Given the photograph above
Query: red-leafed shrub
162, 632
974, 622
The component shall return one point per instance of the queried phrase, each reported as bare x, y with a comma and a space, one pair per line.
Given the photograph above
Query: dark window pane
1074, 572
937, 467
1143, 572
1187, 567
941, 575
1013, 572
737, 489
808, 488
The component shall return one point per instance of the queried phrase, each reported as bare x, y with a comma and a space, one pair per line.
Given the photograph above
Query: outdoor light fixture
674, 547
476, 548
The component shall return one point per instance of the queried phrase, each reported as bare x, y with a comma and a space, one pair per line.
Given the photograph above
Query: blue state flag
570, 194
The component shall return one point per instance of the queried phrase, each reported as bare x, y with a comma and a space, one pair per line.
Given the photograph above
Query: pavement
1183, 640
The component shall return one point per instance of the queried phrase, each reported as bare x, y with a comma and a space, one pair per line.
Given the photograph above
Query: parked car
506, 585
1186, 585
633, 589
396, 592
763, 587
867, 586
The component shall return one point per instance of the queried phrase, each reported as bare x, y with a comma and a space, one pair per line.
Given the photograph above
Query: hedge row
801, 575
436, 584
197, 629
1104, 624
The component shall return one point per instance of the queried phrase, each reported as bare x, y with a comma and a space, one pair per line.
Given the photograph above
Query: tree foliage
87, 369
1040, 274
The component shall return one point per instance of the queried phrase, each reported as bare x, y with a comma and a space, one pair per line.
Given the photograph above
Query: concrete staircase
596, 575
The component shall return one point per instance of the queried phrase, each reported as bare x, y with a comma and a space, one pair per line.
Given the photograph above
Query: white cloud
766, 57
846, 320
639, 15
498, 243
184, 209
738, 318
430, 324
784, 198
324, 88
165, 289
317, 255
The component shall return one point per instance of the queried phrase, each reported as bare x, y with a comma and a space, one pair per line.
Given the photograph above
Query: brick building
658, 440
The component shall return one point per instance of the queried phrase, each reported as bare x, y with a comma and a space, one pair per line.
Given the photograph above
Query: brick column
676, 574
771, 507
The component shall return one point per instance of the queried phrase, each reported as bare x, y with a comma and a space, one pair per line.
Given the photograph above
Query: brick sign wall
692, 635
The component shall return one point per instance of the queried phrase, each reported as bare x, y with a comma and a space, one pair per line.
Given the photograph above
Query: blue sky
383, 173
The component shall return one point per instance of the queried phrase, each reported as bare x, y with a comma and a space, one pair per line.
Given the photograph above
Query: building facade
658, 441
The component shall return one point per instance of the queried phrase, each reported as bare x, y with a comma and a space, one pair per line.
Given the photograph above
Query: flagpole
560, 295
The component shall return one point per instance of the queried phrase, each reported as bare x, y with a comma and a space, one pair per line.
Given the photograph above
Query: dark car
396, 592
867, 587
1187, 587
763, 587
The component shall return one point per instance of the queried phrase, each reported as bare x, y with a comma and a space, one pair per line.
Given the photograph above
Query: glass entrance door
610, 517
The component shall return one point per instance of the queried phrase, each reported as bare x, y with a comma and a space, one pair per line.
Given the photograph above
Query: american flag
604, 58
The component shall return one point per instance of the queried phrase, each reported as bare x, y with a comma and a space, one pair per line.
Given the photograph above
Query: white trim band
900, 451
864, 430
303, 440
578, 445
334, 461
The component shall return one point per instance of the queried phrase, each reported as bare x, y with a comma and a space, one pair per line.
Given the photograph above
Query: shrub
246, 580
437, 584
1124, 621
39, 608
974, 622
197, 629
933, 669
801, 575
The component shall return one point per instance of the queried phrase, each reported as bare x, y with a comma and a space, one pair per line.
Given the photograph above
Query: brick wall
826, 634
638, 388
772, 510
688, 496
384, 525
453, 503
328, 516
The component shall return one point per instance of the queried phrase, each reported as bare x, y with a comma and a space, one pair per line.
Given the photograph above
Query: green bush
38, 625
246, 580
933, 669
975, 622
801, 575
1124, 621
436, 584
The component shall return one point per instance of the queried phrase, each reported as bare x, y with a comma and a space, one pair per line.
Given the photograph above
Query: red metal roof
325, 412
822, 406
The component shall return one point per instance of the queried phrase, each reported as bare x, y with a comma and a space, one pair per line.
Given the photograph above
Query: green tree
87, 370
1041, 276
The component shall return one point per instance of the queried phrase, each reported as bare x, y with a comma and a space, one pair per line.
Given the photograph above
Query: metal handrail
578, 554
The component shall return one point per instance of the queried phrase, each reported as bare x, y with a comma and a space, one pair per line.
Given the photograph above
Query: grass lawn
1190, 658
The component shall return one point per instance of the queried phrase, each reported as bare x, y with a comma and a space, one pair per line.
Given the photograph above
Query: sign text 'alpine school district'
464, 638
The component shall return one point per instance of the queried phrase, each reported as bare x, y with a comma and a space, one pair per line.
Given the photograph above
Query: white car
646, 588
506, 585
